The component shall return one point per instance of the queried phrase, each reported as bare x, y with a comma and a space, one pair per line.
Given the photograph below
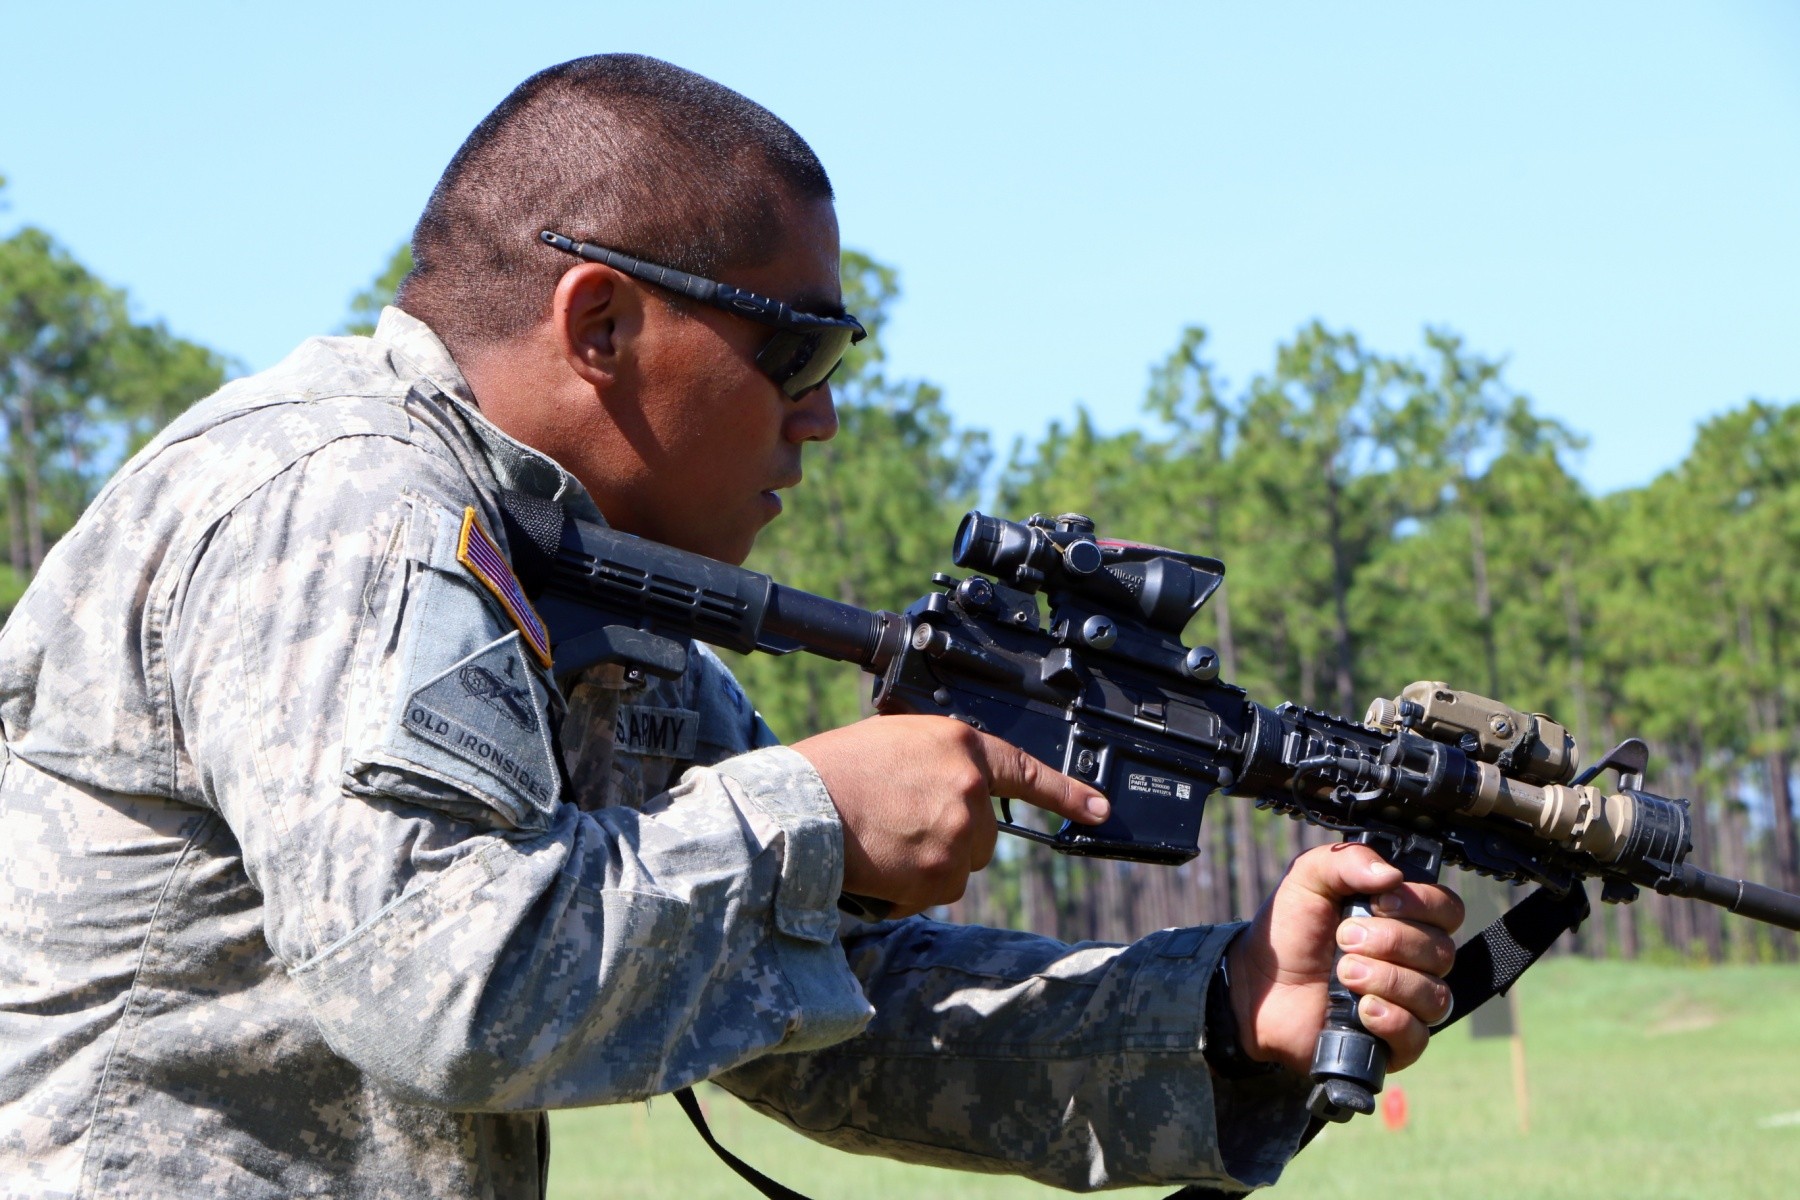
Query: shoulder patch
487, 711
478, 552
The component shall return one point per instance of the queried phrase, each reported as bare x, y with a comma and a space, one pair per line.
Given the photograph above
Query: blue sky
1603, 193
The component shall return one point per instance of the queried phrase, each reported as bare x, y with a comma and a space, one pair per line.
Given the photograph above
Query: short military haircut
618, 149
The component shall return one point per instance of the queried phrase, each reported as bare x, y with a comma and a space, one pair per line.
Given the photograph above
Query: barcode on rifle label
1160, 786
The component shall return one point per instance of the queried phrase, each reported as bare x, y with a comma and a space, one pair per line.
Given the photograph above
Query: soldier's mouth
773, 495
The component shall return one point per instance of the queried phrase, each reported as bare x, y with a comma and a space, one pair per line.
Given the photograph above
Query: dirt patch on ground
1682, 1014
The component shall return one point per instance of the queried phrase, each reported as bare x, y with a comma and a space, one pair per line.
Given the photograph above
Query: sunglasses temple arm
691, 286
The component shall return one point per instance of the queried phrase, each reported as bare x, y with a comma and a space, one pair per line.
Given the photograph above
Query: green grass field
1646, 1083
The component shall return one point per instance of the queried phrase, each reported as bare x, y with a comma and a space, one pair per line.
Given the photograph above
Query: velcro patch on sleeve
663, 732
489, 711
478, 552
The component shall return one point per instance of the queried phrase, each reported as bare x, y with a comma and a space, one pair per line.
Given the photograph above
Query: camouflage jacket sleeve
1078, 1066
374, 724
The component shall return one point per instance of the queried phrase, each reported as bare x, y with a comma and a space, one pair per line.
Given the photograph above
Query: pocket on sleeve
453, 710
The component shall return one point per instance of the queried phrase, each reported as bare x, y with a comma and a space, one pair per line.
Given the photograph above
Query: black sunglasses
801, 354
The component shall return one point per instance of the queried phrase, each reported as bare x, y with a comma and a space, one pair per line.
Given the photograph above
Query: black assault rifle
1102, 687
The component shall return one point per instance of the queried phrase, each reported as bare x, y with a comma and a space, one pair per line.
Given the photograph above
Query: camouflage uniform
291, 901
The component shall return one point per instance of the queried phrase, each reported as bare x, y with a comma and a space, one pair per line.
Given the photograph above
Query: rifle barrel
1752, 900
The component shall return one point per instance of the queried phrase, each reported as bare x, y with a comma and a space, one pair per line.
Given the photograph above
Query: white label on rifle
1160, 786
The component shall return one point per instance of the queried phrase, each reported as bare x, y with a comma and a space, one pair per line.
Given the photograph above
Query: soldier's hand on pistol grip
913, 793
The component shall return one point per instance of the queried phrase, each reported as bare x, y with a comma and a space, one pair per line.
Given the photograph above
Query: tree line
1385, 517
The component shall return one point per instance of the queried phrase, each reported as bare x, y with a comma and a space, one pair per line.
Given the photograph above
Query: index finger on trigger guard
1014, 773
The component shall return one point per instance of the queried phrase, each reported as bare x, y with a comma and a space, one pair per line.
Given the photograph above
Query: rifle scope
1060, 555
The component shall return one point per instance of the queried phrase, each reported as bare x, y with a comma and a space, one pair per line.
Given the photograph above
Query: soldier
317, 880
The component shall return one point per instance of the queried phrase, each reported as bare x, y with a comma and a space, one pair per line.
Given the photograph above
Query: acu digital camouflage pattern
294, 899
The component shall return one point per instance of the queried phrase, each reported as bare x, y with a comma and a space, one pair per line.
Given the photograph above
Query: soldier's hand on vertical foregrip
913, 794
1395, 960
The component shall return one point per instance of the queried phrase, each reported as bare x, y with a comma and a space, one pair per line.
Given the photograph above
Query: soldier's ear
595, 312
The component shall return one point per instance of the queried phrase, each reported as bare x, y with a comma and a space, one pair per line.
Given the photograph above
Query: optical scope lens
977, 538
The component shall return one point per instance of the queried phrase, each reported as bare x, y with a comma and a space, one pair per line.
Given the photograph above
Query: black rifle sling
690, 1104
534, 528
1491, 962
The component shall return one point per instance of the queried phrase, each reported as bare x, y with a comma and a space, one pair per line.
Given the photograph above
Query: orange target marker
1393, 1108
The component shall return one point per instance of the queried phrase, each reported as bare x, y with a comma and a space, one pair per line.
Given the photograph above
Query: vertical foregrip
1350, 1063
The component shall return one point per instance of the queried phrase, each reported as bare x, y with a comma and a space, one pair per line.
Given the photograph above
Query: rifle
1098, 683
